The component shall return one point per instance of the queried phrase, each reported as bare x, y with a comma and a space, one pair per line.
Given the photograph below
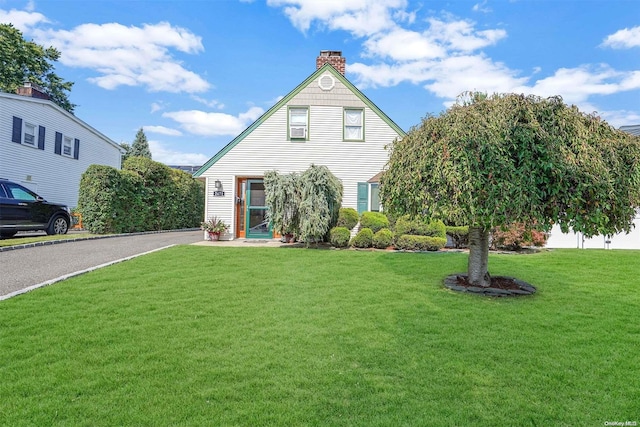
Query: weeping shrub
348, 218
321, 195
339, 237
282, 197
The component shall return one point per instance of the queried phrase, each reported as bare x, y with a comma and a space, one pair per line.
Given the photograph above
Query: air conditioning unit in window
297, 132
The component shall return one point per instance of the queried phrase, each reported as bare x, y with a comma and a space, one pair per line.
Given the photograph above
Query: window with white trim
298, 122
353, 124
67, 146
29, 134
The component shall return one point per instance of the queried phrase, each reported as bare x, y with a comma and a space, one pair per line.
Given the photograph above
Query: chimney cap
330, 53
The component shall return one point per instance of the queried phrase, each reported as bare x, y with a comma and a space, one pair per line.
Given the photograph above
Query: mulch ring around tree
501, 286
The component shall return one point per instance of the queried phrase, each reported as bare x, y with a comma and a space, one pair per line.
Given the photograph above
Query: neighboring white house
558, 239
326, 121
46, 148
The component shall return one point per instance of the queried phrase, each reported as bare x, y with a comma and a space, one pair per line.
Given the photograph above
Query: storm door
257, 224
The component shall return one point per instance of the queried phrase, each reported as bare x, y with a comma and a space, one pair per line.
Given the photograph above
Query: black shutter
58, 148
76, 148
16, 136
41, 137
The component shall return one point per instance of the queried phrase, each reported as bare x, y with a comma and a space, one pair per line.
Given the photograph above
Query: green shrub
339, 237
418, 227
145, 196
459, 236
348, 218
364, 239
517, 236
376, 221
420, 243
383, 239
320, 199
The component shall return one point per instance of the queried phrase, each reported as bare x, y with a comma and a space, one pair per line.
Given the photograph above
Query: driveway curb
79, 239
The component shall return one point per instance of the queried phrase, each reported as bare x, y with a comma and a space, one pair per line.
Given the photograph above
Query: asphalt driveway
28, 267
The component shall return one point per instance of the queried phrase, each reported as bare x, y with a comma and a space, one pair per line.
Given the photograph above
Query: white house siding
267, 148
53, 176
558, 239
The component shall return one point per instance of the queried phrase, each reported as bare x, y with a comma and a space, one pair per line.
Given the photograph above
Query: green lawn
25, 239
223, 336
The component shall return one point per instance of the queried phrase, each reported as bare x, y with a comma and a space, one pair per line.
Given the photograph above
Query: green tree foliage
22, 60
498, 160
140, 146
321, 195
127, 151
282, 197
145, 196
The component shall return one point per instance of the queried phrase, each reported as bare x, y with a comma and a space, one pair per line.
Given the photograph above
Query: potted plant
214, 226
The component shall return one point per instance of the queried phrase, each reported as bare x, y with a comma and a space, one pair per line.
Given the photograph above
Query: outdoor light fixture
217, 184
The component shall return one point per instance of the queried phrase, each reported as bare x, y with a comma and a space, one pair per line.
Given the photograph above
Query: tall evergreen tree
22, 60
140, 147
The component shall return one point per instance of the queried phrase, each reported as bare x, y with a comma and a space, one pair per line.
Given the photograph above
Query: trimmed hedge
145, 196
339, 237
417, 227
383, 239
348, 218
376, 221
459, 236
364, 239
420, 243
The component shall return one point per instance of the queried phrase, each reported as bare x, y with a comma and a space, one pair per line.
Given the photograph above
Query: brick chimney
333, 57
32, 90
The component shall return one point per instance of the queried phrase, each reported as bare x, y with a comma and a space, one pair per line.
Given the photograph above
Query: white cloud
214, 124
162, 154
576, 85
361, 17
157, 106
130, 56
211, 103
162, 130
23, 20
481, 7
461, 35
623, 39
403, 45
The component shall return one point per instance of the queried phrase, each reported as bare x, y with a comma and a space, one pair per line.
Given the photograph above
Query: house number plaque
218, 193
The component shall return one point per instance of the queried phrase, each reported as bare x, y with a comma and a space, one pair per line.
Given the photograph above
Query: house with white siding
558, 239
325, 121
47, 149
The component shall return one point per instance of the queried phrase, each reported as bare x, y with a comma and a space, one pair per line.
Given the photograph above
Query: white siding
267, 148
54, 177
558, 239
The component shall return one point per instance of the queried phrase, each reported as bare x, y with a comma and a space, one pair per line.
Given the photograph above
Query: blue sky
194, 74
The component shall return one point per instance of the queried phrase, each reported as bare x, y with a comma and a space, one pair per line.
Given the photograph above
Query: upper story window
67, 148
29, 134
298, 122
354, 124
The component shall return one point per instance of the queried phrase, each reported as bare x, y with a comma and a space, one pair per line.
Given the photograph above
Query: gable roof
64, 112
286, 99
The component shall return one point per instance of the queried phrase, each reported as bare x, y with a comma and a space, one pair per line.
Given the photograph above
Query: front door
255, 215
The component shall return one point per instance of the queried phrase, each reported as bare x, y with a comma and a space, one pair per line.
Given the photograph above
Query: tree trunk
478, 269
